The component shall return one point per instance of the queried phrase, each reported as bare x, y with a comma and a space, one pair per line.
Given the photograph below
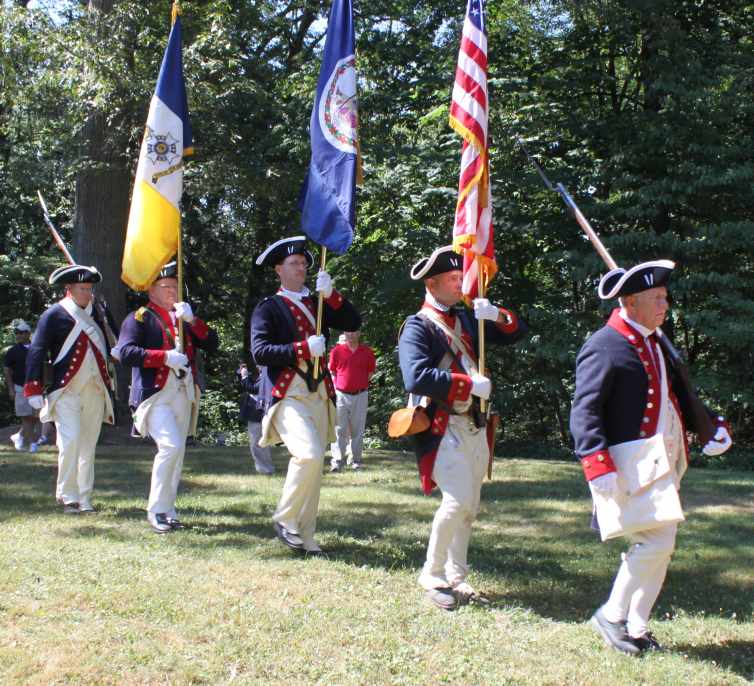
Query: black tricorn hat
279, 250
75, 273
642, 277
442, 260
169, 271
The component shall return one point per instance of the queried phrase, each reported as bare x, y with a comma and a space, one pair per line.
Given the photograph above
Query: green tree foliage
642, 109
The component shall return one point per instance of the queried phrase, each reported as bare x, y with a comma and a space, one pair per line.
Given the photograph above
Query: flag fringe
481, 178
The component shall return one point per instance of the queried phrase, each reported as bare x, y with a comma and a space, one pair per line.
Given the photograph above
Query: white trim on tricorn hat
619, 282
168, 271
279, 250
21, 325
442, 260
75, 273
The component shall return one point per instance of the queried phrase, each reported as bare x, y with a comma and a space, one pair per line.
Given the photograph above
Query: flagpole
175, 10
480, 322
320, 308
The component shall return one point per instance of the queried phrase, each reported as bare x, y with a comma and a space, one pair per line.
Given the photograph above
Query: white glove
176, 360
606, 484
481, 386
719, 444
324, 284
36, 402
316, 345
184, 311
484, 309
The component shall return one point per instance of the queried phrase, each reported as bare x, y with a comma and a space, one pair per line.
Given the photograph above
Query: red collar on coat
164, 314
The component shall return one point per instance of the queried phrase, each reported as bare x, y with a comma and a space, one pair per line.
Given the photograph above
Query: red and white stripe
472, 231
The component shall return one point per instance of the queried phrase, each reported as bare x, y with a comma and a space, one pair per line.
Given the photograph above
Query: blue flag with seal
328, 197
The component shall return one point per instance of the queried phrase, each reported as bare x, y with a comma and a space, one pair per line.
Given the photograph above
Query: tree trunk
561, 423
101, 212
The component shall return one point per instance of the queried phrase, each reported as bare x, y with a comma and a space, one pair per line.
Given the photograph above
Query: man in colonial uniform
438, 351
629, 420
299, 408
71, 335
163, 395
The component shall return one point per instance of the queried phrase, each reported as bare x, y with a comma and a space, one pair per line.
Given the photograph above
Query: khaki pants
351, 418
262, 456
459, 470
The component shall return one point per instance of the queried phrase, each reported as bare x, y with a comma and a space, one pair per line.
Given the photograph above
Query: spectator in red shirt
351, 365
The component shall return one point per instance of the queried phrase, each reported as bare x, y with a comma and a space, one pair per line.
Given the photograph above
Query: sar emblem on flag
469, 109
154, 219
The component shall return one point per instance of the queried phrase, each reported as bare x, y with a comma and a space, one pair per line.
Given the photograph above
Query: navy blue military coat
145, 337
421, 350
52, 331
617, 397
278, 340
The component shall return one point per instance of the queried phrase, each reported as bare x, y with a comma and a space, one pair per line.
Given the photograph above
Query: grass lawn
101, 600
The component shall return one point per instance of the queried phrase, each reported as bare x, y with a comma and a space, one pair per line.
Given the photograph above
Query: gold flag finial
175, 11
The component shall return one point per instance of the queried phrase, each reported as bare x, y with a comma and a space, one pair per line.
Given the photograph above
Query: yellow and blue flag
155, 218
328, 202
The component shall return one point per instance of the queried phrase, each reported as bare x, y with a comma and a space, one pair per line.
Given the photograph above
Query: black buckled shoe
648, 643
614, 634
159, 522
444, 598
175, 523
293, 541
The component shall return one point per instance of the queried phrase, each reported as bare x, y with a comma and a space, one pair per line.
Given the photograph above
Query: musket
98, 301
702, 419
55, 235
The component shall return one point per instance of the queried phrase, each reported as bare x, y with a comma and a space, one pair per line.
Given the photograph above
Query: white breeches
459, 469
168, 424
78, 413
642, 572
303, 423
640, 578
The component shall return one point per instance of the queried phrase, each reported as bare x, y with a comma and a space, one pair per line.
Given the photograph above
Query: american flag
469, 108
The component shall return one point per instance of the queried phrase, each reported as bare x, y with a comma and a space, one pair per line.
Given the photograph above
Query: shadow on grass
532, 540
736, 656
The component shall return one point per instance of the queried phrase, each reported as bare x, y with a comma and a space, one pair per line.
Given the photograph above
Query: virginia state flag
328, 202
155, 218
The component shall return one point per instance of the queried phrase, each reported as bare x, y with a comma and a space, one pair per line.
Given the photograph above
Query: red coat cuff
199, 328
154, 359
301, 350
460, 387
509, 323
335, 300
33, 388
597, 464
